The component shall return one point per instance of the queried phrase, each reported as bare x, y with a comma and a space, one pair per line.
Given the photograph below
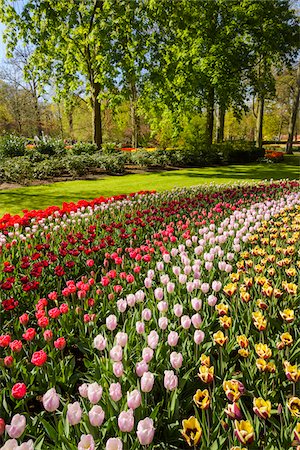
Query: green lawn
38, 197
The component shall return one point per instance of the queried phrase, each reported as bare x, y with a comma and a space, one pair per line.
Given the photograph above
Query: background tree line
148, 71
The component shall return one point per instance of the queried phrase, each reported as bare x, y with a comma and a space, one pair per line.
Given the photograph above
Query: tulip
134, 399
83, 390
94, 392
202, 399
86, 442
191, 431
297, 432
140, 327
185, 322
16, 427
147, 354
178, 310
176, 360
111, 322
126, 421
18, 390
199, 337
146, 314
244, 431
147, 382
100, 342
74, 413
118, 369
262, 408
11, 444
96, 416
196, 304
116, 353
51, 400
153, 339
173, 338
145, 431
162, 306
212, 300
196, 320
294, 406
141, 367
233, 411
121, 338
2, 426
206, 374
170, 380
114, 444
115, 392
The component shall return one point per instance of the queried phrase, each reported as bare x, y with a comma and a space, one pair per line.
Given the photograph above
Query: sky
2, 46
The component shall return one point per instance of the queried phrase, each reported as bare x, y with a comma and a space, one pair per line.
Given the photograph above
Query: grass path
39, 197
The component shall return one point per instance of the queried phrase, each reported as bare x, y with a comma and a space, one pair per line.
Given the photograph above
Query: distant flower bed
273, 155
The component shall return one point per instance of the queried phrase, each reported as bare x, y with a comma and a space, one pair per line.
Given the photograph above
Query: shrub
84, 147
12, 145
34, 156
50, 146
110, 148
52, 167
17, 170
78, 165
111, 163
239, 152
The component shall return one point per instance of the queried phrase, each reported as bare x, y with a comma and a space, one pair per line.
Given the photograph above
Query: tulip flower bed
157, 321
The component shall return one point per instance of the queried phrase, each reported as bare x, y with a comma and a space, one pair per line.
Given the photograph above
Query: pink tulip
140, 327
212, 300
228, 268
86, 442
121, 305
96, 416
190, 286
160, 266
163, 323
164, 279
94, 393
166, 258
121, 338
146, 314
140, 368
111, 322
170, 380
208, 266
147, 382
196, 304
198, 336
116, 353
176, 360
126, 421
173, 338
153, 339
159, 293
114, 444
51, 400
115, 392
176, 270
147, 354
185, 322
74, 413
118, 369
11, 444
178, 310
182, 278
196, 320
145, 431
216, 286
100, 342
140, 295
130, 298
83, 390
148, 283
162, 306
204, 288
16, 427
134, 399
26, 445
170, 287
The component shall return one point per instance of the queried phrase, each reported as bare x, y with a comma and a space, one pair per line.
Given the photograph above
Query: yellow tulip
191, 431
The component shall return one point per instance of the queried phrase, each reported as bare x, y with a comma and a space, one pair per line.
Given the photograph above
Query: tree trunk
135, 122
97, 123
293, 117
71, 125
38, 117
221, 123
210, 115
259, 122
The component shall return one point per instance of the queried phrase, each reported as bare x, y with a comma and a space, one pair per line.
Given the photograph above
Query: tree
71, 45
293, 117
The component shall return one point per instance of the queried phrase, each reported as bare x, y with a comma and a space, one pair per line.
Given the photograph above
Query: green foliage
84, 147
109, 148
12, 145
78, 165
16, 170
49, 168
113, 163
50, 146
